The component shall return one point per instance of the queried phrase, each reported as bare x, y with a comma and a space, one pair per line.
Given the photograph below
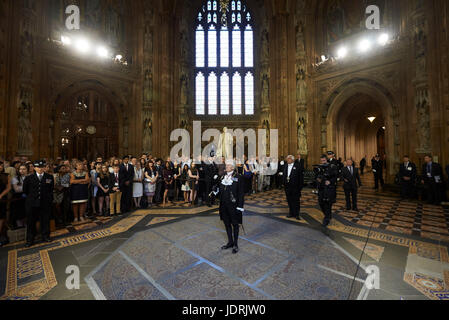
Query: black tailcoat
231, 198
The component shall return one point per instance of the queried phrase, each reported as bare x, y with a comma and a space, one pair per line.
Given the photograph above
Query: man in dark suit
127, 176
38, 188
302, 166
293, 182
362, 165
378, 167
407, 175
351, 177
432, 178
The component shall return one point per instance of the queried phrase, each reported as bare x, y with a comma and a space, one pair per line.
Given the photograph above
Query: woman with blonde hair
79, 190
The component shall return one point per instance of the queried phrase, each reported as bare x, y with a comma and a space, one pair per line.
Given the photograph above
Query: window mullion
231, 74
206, 74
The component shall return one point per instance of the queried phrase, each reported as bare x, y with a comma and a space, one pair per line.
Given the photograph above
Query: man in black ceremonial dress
232, 193
38, 188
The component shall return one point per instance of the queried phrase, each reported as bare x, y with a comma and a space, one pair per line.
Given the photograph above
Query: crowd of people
114, 186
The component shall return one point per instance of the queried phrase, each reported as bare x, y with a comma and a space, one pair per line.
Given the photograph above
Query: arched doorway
351, 134
87, 126
359, 124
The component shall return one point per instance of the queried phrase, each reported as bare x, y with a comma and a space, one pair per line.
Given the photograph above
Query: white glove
281, 174
241, 209
215, 177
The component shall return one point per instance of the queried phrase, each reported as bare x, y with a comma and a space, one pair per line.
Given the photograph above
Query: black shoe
348, 209
228, 246
298, 218
4, 243
29, 244
290, 216
48, 240
235, 250
356, 210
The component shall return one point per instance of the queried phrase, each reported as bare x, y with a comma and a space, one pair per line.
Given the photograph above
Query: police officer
327, 188
232, 194
377, 167
38, 188
331, 159
407, 176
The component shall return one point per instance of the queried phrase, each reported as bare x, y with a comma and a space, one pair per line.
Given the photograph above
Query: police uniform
327, 194
232, 193
39, 198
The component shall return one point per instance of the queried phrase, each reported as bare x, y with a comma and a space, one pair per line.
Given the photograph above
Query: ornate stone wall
154, 94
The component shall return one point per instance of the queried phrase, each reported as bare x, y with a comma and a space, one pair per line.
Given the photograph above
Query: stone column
420, 81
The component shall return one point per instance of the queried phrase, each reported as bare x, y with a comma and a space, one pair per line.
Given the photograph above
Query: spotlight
342, 53
83, 46
102, 52
66, 41
364, 45
383, 39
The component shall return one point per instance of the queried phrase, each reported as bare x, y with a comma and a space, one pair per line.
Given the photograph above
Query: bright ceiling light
371, 119
66, 41
342, 52
102, 52
383, 39
364, 45
83, 46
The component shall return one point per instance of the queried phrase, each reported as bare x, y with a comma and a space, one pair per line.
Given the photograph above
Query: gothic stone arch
76, 87
387, 103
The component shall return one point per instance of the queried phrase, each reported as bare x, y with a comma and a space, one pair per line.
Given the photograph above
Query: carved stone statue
148, 87
226, 145
148, 135
148, 44
423, 112
302, 136
265, 90
264, 46
25, 136
184, 86
300, 46
301, 87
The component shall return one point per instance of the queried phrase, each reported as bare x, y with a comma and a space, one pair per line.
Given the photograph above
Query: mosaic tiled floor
173, 253
184, 262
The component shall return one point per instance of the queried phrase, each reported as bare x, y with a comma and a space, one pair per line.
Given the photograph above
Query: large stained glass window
224, 69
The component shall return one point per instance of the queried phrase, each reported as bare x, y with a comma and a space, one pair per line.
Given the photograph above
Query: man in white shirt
293, 186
